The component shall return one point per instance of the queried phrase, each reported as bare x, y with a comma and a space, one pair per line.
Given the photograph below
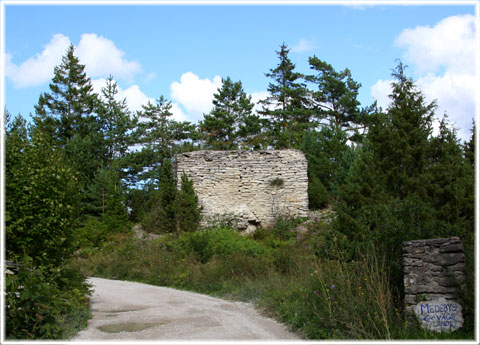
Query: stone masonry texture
433, 268
254, 187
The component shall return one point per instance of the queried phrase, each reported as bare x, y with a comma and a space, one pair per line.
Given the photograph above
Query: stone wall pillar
433, 276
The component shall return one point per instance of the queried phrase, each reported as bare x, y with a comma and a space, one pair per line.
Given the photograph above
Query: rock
439, 315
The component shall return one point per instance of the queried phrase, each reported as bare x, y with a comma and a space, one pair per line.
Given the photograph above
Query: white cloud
258, 96
455, 94
303, 46
102, 57
195, 95
134, 96
178, 114
443, 60
38, 69
449, 44
380, 92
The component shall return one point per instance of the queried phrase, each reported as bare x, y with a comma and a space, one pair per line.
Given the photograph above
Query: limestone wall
433, 269
255, 186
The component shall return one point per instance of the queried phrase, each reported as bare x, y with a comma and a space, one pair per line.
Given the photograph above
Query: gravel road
133, 311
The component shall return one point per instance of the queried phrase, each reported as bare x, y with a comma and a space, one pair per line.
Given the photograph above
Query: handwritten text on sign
440, 315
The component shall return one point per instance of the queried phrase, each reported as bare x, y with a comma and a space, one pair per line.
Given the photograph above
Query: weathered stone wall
433, 269
255, 186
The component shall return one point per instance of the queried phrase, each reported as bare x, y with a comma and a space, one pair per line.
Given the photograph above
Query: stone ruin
254, 187
433, 276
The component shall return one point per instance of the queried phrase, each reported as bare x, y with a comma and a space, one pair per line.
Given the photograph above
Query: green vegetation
74, 187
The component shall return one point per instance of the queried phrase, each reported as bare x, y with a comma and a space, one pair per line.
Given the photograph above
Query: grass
307, 283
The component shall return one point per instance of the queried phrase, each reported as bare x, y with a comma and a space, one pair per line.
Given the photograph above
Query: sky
182, 52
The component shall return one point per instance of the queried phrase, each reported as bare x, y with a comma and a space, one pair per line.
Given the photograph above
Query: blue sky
182, 52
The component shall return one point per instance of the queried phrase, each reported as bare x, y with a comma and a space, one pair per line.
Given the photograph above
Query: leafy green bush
40, 304
41, 193
221, 243
92, 234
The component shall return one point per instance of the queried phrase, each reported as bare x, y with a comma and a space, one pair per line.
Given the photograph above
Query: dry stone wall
253, 186
433, 276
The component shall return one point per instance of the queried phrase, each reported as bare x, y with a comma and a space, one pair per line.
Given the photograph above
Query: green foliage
317, 194
67, 109
287, 106
188, 212
38, 306
159, 135
92, 234
160, 214
324, 151
116, 122
277, 182
336, 97
313, 284
41, 202
220, 243
231, 122
404, 184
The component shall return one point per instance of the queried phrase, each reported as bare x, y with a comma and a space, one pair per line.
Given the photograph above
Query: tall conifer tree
69, 107
231, 122
287, 106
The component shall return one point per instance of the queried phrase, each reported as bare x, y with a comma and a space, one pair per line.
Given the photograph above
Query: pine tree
230, 119
336, 96
159, 135
188, 212
287, 106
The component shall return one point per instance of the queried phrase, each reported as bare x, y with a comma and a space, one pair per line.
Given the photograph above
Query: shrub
41, 305
188, 212
92, 234
317, 194
221, 243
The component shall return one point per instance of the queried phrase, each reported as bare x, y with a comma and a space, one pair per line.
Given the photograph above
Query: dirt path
133, 311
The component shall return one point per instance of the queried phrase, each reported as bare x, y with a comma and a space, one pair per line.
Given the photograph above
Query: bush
92, 234
221, 243
188, 213
317, 194
42, 305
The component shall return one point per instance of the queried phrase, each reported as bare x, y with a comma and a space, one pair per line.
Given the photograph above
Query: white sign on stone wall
439, 315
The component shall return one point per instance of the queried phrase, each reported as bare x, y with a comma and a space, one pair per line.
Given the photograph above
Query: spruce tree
188, 212
116, 121
69, 107
67, 115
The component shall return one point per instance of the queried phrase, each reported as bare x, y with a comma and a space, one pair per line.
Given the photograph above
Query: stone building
255, 187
